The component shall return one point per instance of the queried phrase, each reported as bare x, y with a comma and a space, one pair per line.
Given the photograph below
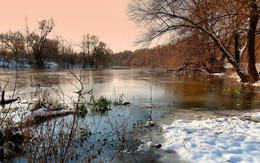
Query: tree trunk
227, 54
240, 71
237, 51
84, 61
254, 17
92, 61
39, 60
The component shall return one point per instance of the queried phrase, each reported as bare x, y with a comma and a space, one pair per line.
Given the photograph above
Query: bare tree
89, 45
225, 22
51, 50
37, 42
102, 54
66, 51
14, 42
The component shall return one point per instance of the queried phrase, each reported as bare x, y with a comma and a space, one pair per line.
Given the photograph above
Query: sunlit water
145, 89
141, 87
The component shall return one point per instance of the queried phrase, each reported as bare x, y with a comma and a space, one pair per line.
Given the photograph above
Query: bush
102, 104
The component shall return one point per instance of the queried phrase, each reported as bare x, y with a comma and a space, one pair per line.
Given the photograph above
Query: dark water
145, 89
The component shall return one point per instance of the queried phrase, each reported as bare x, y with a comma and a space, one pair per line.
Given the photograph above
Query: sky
106, 19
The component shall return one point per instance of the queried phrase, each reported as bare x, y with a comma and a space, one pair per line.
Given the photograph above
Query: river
139, 86
145, 90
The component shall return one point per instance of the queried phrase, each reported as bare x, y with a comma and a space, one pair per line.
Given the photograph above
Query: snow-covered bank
234, 75
27, 113
234, 139
12, 63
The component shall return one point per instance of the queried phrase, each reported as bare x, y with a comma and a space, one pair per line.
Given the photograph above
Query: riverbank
204, 136
226, 139
195, 135
189, 97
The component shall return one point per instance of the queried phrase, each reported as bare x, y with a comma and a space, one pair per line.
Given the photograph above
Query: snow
18, 115
228, 139
235, 75
228, 66
41, 112
11, 63
257, 84
51, 64
219, 74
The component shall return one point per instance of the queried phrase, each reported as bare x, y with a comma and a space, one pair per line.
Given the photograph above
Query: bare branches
94, 52
37, 42
218, 19
13, 41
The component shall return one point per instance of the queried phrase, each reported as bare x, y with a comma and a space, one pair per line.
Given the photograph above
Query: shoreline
174, 121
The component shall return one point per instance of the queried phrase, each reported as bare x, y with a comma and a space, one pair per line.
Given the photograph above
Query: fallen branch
185, 65
9, 101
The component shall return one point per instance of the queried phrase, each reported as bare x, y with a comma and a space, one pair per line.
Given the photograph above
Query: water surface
145, 89
142, 87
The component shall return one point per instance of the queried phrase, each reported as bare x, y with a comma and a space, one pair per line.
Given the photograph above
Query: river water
145, 89
140, 86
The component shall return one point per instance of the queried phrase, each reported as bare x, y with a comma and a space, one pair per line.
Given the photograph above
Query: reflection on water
141, 87
209, 92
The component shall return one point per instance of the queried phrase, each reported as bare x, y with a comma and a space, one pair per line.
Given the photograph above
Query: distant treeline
37, 48
194, 50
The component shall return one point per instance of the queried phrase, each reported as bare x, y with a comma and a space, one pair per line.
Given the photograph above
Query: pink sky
106, 19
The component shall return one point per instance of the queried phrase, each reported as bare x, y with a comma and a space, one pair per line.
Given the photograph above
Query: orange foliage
165, 56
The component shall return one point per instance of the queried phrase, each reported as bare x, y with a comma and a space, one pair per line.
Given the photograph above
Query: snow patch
215, 140
19, 116
12, 63
228, 66
257, 84
219, 74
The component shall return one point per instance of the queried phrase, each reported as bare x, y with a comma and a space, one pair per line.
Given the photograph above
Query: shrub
102, 104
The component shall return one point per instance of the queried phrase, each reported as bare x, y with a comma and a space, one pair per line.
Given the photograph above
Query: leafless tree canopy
37, 42
219, 20
94, 51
